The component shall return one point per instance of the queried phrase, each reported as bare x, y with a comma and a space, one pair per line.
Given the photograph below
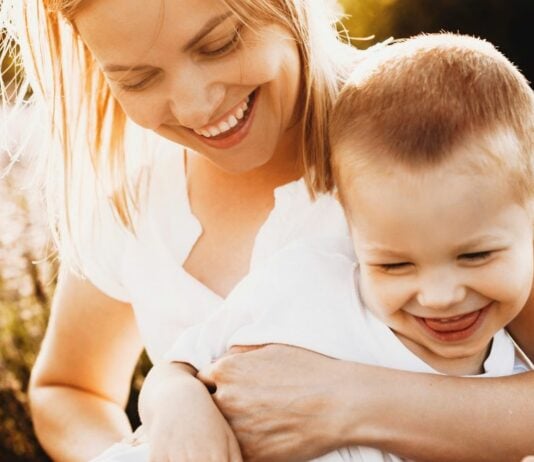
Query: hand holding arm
286, 403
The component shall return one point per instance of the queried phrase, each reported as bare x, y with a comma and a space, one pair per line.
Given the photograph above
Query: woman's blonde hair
84, 119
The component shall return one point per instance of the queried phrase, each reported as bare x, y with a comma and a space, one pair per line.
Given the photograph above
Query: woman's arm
81, 380
522, 328
286, 403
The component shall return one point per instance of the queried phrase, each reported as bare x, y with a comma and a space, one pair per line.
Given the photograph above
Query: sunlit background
27, 270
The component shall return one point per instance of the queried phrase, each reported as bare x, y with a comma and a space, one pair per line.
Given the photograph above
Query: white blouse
147, 270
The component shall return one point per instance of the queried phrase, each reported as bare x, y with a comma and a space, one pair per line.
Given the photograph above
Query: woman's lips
236, 134
454, 328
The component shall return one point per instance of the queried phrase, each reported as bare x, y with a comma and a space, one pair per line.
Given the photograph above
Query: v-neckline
184, 194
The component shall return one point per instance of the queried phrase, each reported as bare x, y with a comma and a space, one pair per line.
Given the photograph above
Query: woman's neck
283, 167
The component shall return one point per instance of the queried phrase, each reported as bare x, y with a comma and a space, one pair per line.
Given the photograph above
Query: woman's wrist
355, 402
369, 400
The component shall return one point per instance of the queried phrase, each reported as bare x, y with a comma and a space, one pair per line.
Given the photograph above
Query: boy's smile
445, 254
455, 328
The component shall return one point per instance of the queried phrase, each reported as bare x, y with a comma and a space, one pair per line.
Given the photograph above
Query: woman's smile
230, 129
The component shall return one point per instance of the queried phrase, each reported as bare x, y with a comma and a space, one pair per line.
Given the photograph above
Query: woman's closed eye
138, 84
222, 46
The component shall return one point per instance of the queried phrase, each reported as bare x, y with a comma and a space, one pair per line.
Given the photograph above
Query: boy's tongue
452, 324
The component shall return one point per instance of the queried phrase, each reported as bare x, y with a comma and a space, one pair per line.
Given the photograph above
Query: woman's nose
440, 290
194, 98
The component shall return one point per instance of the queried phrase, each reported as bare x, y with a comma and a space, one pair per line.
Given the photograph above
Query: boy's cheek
506, 283
383, 295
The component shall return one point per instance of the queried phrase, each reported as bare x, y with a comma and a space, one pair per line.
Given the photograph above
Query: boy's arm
164, 379
175, 406
182, 422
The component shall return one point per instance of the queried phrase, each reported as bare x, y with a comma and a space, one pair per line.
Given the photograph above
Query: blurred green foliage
506, 24
26, 287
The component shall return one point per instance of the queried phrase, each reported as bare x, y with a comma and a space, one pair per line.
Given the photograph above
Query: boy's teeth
214, 131
233, 121
239, 114
224, 126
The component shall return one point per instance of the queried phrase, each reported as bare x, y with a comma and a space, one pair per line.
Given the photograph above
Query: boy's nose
440, 291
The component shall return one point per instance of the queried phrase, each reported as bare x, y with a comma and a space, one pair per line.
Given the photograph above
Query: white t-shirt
147, 270
306, 296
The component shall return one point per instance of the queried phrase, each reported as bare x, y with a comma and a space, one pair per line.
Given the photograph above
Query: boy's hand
187, 426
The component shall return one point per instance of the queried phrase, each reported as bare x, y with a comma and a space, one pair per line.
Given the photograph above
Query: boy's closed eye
404, 266
477, 257
396, 267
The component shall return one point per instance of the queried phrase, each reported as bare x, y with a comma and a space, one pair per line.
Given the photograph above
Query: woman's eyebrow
208, 27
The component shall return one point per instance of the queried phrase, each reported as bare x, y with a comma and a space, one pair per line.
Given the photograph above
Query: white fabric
147, 270
306, 296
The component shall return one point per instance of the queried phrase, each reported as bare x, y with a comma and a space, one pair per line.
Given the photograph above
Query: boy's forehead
392, 195
493, 153
435, 216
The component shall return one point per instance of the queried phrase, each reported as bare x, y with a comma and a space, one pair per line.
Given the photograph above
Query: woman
246, 88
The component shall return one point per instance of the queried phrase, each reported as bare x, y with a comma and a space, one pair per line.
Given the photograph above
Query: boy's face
446, 258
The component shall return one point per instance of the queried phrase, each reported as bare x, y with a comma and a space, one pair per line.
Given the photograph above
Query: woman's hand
286, 404
280, 401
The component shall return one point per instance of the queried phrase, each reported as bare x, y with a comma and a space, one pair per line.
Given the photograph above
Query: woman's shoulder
103, 238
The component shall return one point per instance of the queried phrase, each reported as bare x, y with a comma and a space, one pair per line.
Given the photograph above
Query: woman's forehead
122, 29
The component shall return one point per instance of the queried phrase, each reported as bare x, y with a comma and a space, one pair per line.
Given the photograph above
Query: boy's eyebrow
206, 29
383, 251
485, 239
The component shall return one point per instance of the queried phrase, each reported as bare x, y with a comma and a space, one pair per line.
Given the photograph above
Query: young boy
432, 154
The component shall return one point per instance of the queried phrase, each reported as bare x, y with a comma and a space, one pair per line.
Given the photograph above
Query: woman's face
190, 71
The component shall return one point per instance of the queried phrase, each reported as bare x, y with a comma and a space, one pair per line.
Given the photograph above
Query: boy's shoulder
316, 249
302, 267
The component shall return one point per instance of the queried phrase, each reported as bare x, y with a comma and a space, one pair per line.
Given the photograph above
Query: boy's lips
454, 328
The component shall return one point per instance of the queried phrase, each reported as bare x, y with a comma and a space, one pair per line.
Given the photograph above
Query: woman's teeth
226, 124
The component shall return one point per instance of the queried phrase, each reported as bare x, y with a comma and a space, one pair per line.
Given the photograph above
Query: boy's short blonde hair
415, 101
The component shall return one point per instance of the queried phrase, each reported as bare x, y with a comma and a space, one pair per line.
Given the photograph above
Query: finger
207, 377
242, 349
234, 452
